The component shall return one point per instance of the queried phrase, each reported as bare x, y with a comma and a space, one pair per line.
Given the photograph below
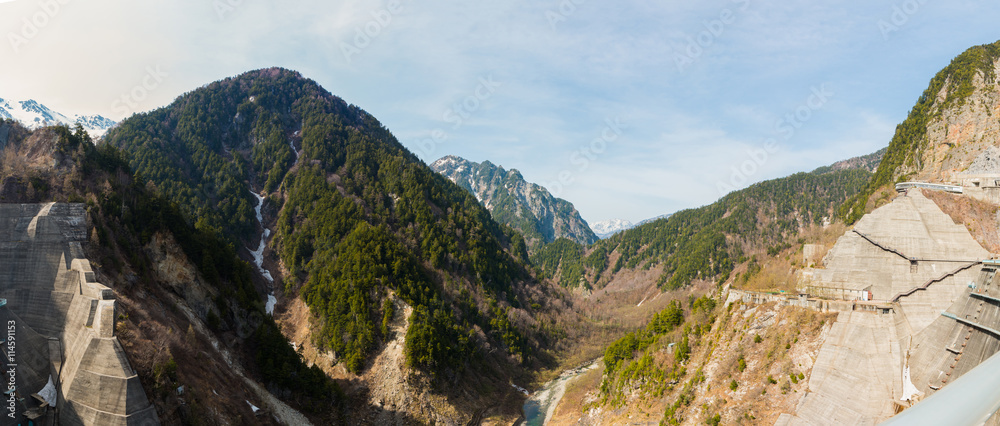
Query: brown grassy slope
979, 217
790, 339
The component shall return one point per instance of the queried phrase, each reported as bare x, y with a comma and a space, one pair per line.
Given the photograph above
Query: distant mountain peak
607, 228
525, 206
34, 114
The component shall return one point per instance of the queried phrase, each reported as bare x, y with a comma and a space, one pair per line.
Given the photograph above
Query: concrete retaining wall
66, 317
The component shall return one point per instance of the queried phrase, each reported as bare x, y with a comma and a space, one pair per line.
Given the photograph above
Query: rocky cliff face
525, 206
961, 131
953, 122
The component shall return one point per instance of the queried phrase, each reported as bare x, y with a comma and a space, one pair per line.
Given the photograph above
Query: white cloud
684, 130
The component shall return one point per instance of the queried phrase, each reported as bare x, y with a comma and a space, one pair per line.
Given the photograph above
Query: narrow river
541, 405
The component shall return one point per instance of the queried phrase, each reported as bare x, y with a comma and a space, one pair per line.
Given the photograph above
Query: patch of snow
258, 255
269, 306
640, 302
520, 389
253, 407
607, 228
48, 393
909, 391
260, 203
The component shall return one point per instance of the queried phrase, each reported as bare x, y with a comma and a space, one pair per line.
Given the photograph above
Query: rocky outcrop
961, 126
525, 206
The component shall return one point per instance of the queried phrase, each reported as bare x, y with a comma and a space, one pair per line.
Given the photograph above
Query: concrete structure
964, 336
807, 301
902, 246
63, 323
903, 186
977, 180
810, 254
856, 376
883, 355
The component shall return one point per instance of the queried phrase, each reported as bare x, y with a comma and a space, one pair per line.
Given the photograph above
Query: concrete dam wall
937, 314
59, 346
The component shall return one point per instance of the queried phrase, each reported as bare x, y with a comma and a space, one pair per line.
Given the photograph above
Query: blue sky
629, 109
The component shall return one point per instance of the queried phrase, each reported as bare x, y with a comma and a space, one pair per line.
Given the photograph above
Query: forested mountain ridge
359, 223
867, 162
527, 207
706, 243
129, 230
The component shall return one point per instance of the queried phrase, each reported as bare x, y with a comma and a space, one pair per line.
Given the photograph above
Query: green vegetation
125, 216
910, 139
359, 217
624, 348
562, 258
629, 361
707, 242
684, 399
714, 420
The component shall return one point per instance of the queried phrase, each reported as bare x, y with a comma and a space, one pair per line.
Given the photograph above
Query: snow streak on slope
258, 255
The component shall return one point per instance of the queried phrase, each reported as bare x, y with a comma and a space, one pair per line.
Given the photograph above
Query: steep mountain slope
185, 319
34, 115
708, 242
952, 123
525, 206
362, 230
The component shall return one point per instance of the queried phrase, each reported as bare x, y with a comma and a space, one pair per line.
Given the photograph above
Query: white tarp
48, 393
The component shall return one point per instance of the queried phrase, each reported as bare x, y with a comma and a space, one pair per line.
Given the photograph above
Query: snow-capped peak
33, 115
607, 228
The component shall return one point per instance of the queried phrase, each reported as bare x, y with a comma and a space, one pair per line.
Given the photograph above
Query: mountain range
34, 115
527, 207
607, 228
383, 273
269, 241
